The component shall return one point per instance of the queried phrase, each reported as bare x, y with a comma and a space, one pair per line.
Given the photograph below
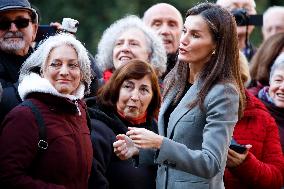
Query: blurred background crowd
95, 16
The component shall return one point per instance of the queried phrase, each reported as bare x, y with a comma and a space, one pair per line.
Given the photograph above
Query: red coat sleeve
264, 171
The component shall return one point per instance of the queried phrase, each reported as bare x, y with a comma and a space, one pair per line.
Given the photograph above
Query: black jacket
109, 171
10, 65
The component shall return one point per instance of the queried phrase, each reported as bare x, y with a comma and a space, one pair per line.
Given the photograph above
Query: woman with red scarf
131, 98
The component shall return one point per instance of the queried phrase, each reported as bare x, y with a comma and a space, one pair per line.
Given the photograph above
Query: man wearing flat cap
18, 27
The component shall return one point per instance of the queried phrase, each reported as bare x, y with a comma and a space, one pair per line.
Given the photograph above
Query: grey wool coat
193, 154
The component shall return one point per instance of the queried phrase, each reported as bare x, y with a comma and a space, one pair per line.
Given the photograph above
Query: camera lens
241, 16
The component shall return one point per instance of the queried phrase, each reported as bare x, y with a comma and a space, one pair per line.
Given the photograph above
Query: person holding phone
261, 164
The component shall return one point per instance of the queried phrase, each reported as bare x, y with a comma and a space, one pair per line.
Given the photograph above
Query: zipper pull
78, 109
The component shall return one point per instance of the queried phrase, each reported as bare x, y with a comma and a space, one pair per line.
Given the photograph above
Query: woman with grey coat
203, 99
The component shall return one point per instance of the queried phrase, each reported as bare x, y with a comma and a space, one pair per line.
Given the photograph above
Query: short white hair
272, 10
38, 58
224, 2
278, 64
104, 58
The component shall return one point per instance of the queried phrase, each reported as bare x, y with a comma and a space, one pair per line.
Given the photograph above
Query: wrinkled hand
124, 148
235, 159
144, 138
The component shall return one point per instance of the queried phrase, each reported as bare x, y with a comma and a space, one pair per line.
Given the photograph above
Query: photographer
248, 6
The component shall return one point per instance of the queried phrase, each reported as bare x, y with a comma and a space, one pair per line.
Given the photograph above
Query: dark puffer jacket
109, 171
9, 74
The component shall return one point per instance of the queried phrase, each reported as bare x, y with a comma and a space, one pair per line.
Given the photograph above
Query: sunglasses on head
20, 23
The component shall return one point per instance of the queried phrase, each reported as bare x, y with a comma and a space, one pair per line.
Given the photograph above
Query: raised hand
124, 148
144, 138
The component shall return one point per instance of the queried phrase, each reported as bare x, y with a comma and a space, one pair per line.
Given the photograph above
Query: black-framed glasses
20, 23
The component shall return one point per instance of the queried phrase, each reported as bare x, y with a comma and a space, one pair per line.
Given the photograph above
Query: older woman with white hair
126, 39
273, 95
45, 141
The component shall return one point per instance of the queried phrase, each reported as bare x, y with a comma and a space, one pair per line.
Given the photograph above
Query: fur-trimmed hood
35, 83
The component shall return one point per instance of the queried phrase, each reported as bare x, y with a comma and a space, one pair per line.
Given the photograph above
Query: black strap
89, 122
42, 143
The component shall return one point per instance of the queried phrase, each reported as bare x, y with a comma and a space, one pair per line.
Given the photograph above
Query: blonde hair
244, 69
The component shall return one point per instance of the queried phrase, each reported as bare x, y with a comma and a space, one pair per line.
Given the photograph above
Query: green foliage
96, 15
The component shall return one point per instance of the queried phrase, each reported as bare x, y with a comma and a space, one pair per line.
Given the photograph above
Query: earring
213, 52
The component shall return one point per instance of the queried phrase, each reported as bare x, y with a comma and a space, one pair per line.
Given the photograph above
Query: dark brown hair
108, 94
223, 67
264, 57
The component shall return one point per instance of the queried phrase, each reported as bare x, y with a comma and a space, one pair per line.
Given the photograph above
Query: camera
244, 19
70, 25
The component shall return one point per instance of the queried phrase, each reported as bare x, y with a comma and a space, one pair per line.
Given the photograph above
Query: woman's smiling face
276, 89
131, 44
62, 69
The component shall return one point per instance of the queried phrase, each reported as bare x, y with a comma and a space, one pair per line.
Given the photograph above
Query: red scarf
107, 74
134, 121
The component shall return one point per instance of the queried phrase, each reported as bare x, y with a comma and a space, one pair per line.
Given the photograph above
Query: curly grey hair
104, 58
40, 56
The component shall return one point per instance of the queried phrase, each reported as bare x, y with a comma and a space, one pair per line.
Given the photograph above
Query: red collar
107, 74
134, 121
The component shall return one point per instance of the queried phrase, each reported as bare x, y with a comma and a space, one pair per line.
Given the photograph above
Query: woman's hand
235, 159
124, 148
144, 138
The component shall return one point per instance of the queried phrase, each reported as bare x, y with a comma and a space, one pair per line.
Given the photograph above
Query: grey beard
8, 45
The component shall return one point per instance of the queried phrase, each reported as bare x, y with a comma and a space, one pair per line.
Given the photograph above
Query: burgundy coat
66, 163
264, 165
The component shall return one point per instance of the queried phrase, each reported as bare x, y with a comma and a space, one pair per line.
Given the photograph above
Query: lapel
163, 108
182, 108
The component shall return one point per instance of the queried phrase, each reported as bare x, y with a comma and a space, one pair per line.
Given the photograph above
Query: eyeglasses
20, 23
